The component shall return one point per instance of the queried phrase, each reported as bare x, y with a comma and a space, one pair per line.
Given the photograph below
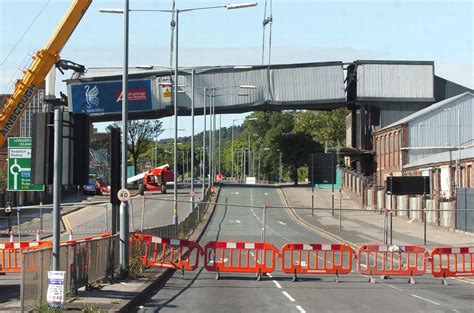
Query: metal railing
88, 261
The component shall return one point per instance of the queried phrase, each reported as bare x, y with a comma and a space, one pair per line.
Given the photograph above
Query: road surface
199, 291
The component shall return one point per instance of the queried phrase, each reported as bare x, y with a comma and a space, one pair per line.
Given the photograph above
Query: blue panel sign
106, 97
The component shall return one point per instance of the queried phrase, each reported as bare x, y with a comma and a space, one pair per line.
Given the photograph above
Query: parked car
91, 188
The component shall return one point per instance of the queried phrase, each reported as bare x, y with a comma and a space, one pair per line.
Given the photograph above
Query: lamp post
280, 174
124, 223
176, 78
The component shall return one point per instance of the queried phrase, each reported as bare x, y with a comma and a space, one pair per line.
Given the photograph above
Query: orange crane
42, 63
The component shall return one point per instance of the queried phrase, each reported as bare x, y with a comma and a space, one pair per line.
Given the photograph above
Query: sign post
19, 165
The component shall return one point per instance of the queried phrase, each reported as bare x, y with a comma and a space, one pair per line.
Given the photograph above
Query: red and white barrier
166, 252
240, 257
452, 262
299, 258
377, 259
11, 254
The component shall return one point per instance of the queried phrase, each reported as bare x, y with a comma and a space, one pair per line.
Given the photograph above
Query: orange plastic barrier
104, 235
299, 258
242, 257
166, 252
376, 259
11, 253
452, 261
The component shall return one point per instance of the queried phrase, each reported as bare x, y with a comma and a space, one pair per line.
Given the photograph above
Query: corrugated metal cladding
392, 113
440, 128
291, 84
396, 81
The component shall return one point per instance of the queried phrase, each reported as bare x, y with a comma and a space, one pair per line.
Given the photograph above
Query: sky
303, 31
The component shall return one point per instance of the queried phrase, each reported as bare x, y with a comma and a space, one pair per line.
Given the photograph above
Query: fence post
22, 286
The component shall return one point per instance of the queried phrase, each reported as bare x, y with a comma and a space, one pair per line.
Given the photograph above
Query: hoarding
106, 97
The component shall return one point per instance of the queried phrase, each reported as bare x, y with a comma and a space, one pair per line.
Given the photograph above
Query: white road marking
282, 223
269, 275
427, 300
300, 309
396, 288
277, 284
288, 296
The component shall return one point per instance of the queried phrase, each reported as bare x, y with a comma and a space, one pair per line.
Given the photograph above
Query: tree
140, 135
295, 148
323, 127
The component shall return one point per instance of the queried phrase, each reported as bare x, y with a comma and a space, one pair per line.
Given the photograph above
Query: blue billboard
106, 97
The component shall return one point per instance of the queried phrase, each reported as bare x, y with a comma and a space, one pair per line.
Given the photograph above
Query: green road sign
19, 165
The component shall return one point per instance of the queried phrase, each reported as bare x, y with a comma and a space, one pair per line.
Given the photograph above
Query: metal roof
426, 110
442, 157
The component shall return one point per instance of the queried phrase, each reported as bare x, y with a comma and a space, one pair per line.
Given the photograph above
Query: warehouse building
437, 141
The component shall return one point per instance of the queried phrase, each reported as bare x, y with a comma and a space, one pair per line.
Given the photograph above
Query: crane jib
29, 93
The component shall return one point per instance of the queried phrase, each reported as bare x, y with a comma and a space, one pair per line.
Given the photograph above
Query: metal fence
89, 261
464, 209
84, 262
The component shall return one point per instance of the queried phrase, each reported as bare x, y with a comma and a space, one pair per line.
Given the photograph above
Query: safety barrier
166, 252
242, 257
452, 262
11, 254
299, 258
376, 259
88, 238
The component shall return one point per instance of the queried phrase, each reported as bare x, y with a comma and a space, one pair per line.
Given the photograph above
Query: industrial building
437, 141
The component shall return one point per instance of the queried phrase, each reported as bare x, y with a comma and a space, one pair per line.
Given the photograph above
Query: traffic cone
70, 234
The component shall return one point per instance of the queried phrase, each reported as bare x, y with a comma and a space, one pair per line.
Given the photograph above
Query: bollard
70, 234
11, 235
38, 235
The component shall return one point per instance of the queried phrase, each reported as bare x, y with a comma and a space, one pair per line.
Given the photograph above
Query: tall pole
192, 138
250, 164
458, 165
210, 143
57, 182
220, 126
204, 146
280, 169
124, 224
175, 152
232, 149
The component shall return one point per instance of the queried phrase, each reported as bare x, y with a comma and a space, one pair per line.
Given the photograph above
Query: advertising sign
19, 165
55, 295
106, 97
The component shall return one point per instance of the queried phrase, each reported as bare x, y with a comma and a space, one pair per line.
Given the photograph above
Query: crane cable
24, 33
268, 20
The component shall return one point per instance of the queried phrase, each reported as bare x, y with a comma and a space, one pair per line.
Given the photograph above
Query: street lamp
176, 80
233, 126
124, 223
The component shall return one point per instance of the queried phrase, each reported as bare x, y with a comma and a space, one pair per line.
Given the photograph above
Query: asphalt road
152, 210
198, 291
